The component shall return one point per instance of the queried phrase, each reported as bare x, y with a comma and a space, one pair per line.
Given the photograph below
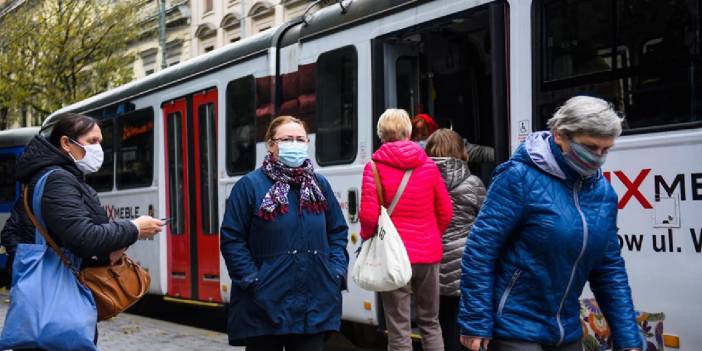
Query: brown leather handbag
115, 287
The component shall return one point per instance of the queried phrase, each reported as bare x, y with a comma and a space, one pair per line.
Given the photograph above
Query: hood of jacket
453, 170
541, 151
401, 155
40, 154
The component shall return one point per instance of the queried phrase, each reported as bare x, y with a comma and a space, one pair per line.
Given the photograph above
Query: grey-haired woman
547, 227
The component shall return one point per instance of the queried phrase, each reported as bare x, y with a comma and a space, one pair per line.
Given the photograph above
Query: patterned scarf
276, 200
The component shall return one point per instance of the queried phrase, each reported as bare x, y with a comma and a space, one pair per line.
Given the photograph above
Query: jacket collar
541, 151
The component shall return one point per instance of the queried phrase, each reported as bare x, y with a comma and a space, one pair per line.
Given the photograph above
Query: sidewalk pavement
128, 332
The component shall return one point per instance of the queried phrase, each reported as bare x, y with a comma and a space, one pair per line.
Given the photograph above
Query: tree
56, 52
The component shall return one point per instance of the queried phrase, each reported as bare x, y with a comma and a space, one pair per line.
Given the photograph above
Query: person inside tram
283, 239
479, 153
422, 127
70, 207
421, 216
447, 150
548, 227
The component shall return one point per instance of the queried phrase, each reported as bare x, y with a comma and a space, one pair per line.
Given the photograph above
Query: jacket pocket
335, 277
273, 290
505, 294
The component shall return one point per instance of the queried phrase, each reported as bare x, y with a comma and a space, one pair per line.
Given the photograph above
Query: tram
178, 140
12, 144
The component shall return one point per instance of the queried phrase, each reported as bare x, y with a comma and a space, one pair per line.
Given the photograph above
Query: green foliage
56, 52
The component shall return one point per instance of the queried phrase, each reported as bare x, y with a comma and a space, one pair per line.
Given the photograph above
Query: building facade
148, 55
217, 23
195, 27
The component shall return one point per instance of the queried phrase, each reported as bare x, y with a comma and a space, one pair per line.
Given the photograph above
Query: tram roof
325, 20
17, 136
198, 65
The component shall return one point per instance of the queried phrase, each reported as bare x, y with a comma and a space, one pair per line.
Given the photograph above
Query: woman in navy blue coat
284, 242
548, 226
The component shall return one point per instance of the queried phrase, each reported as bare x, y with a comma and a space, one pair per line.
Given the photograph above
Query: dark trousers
291, 342
513, 345
448, 318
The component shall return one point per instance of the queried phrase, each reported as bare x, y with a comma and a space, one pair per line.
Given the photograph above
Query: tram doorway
455, 70
191, 197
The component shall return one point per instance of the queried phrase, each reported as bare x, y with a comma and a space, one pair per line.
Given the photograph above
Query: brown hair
72, 125
446, 143
279, 121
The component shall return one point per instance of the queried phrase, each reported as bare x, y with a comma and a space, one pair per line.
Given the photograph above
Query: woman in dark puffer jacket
70, 207
467, 191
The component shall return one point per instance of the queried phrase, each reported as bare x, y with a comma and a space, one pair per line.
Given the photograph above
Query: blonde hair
394, 125
279, 121
446, 143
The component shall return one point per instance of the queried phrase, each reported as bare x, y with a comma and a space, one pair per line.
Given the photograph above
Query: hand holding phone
148, 226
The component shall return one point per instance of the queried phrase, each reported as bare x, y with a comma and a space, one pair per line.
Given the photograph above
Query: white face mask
92, 161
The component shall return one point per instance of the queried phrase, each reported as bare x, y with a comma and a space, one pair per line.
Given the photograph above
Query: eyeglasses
291, 139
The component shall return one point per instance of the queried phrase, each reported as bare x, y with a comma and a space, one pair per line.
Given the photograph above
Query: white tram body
179, 139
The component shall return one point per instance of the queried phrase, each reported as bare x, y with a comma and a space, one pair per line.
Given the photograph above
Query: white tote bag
383, 264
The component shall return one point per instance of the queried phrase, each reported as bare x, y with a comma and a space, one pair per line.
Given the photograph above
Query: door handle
353, 205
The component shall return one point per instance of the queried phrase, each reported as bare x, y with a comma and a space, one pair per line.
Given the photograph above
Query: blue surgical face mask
292, 154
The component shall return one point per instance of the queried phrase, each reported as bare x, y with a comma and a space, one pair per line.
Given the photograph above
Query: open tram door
454, 69
191, 196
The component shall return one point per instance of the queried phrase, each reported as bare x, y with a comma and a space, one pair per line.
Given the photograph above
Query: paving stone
128, 332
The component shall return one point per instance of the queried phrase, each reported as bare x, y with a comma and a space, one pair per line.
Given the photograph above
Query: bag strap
378, 185
42, 230
400, 190
379, 188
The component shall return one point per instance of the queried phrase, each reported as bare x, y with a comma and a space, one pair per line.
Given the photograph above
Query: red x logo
632, 188
110, 211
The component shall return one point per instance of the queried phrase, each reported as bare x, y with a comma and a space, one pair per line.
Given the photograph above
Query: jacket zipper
505, 294
576, 189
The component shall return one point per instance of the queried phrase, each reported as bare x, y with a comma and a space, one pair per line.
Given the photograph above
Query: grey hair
586, 115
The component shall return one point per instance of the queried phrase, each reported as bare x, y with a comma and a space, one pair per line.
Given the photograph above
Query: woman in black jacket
70, 207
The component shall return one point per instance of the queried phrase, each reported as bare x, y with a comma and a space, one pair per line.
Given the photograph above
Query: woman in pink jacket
421, 215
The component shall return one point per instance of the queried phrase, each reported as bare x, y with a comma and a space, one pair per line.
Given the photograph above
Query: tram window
102, 180
208, 168
176, 190
8, 187
336, 107
639, 55
241, 130
575, 45
135, 165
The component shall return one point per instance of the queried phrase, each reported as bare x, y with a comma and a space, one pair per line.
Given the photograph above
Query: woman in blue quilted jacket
548, 226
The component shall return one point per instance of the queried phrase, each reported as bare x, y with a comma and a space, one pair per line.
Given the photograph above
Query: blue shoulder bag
49, 307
